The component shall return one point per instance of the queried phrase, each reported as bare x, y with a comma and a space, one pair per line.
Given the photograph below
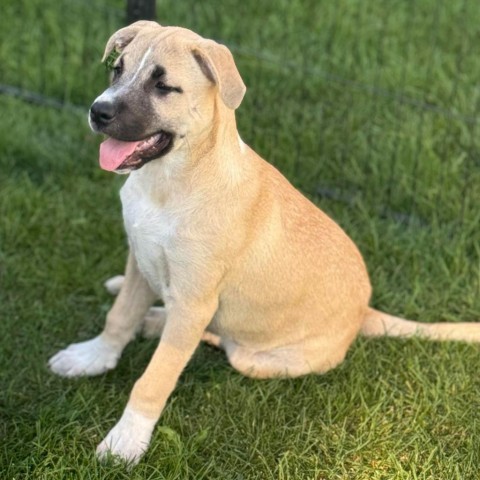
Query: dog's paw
92, 357
114, 284
129, 438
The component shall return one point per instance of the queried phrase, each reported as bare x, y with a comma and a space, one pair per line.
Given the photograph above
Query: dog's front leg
101, 353
186, 322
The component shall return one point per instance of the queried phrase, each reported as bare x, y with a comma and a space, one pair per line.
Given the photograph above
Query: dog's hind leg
292, 360
101, 353
154, 324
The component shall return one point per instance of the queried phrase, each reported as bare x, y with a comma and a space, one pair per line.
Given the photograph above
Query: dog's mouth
123, 157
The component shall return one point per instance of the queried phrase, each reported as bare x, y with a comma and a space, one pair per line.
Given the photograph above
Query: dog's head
164, 92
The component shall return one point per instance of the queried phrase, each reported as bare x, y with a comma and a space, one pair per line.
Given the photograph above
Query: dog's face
163, 93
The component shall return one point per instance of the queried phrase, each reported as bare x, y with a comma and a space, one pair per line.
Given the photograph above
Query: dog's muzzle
125, 150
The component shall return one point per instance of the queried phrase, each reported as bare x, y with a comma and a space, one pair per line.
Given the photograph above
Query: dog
240, 258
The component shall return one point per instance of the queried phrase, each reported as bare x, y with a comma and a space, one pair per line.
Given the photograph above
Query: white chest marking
151, 232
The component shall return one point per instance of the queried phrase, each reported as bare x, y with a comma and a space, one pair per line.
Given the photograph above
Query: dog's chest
151, 232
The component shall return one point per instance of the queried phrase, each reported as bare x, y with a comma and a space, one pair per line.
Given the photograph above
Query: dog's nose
103, 112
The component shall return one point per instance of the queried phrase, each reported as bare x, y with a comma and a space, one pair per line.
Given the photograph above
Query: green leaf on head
110, 60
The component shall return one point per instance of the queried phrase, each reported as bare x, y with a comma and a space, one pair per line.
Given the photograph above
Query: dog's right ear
121, 38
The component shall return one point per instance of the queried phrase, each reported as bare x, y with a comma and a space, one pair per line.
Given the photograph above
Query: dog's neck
218, 135
213, 155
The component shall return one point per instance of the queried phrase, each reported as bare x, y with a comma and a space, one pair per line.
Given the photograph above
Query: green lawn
371, 109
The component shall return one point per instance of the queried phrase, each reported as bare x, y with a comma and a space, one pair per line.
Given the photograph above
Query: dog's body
239, 257
228, 239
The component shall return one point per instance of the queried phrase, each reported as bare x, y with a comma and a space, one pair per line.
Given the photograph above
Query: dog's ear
216, 62
121, 38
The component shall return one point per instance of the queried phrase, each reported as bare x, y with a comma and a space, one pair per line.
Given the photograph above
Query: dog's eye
162, 88
117, 71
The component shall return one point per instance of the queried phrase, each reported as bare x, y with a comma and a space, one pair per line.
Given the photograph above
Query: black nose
103, 112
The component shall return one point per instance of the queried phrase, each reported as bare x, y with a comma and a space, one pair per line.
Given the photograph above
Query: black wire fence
374, 101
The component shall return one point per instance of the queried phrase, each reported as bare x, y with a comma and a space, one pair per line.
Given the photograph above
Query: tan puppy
239, 257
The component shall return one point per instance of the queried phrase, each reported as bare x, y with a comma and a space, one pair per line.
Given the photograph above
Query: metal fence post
140, 10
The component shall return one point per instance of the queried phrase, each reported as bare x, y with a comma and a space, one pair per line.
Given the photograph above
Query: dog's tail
379, 324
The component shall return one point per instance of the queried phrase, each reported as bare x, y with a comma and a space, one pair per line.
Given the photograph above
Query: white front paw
129, 438
92, 357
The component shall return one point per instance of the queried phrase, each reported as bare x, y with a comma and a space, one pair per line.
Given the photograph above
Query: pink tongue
114, 152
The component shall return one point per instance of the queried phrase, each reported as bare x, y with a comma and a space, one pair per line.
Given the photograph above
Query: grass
368, 107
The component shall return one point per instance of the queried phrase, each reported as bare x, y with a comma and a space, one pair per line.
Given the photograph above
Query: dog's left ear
121, 38
216, 62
